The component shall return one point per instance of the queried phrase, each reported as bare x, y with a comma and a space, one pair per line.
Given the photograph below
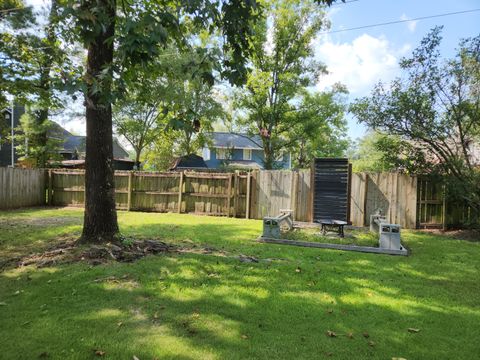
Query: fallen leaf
330, 311
155, 316
350, 335
135, 358
120, 323
244, 336
396, 358
413, 330
366, 335
298, 270
329, 353
3, 303
44, 355
371, 343
99, 352
331, 333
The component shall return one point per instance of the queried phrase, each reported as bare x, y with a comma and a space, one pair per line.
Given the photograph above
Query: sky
361, 58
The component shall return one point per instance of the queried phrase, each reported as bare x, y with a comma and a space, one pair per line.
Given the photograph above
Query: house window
221, 154
247, 154
206, 154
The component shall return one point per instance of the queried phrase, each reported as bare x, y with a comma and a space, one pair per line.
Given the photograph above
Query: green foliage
275, 99
38, 143
318, 127
436, 110
160, 153
378, 152
169, 99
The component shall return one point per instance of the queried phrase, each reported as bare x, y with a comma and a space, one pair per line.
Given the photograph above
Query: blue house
239, 151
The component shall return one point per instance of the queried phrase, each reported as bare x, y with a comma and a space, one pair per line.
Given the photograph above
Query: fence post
180, 190
235, 193
366, 220
293, 194
50, 186
349, 192
229, 193
247, 198
129, 194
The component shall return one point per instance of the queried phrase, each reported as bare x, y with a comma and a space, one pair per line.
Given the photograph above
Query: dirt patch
462, 234
68, 252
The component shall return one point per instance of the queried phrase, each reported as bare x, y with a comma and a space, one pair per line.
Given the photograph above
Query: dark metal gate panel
331, 191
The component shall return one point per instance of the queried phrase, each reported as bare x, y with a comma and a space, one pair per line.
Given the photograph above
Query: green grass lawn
213, 306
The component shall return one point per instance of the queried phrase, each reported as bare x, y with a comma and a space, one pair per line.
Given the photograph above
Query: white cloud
411, 25
359, 64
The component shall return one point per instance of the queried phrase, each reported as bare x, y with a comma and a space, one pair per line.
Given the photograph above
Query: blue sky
361, 58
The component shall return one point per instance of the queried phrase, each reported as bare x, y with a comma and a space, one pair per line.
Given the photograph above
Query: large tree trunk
100, 221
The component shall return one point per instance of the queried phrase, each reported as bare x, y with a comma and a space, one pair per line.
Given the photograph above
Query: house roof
235, 140
75, 142
188, 162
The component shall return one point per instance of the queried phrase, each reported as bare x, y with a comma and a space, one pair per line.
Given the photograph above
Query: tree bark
100, 220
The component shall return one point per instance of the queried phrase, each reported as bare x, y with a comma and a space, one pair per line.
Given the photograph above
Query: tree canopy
277, 99
436, 109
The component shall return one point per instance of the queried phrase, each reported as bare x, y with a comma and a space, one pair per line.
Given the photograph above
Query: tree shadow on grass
192, 306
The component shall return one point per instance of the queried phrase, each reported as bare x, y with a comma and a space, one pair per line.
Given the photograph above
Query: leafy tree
436, 109
159, 154
276, 101
15, 41
378, 152
32, 62
319, 126
119, 40
34, 150
122, 38
173, 100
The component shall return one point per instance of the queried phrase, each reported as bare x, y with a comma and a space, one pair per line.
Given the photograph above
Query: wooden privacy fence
20, 188
406, 200
221, 194
251, 195
435, 209
394, 194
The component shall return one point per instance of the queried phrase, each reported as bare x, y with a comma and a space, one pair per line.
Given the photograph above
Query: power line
400, 21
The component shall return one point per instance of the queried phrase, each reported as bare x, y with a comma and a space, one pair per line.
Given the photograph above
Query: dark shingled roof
74, 142
191, 161
234, 140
